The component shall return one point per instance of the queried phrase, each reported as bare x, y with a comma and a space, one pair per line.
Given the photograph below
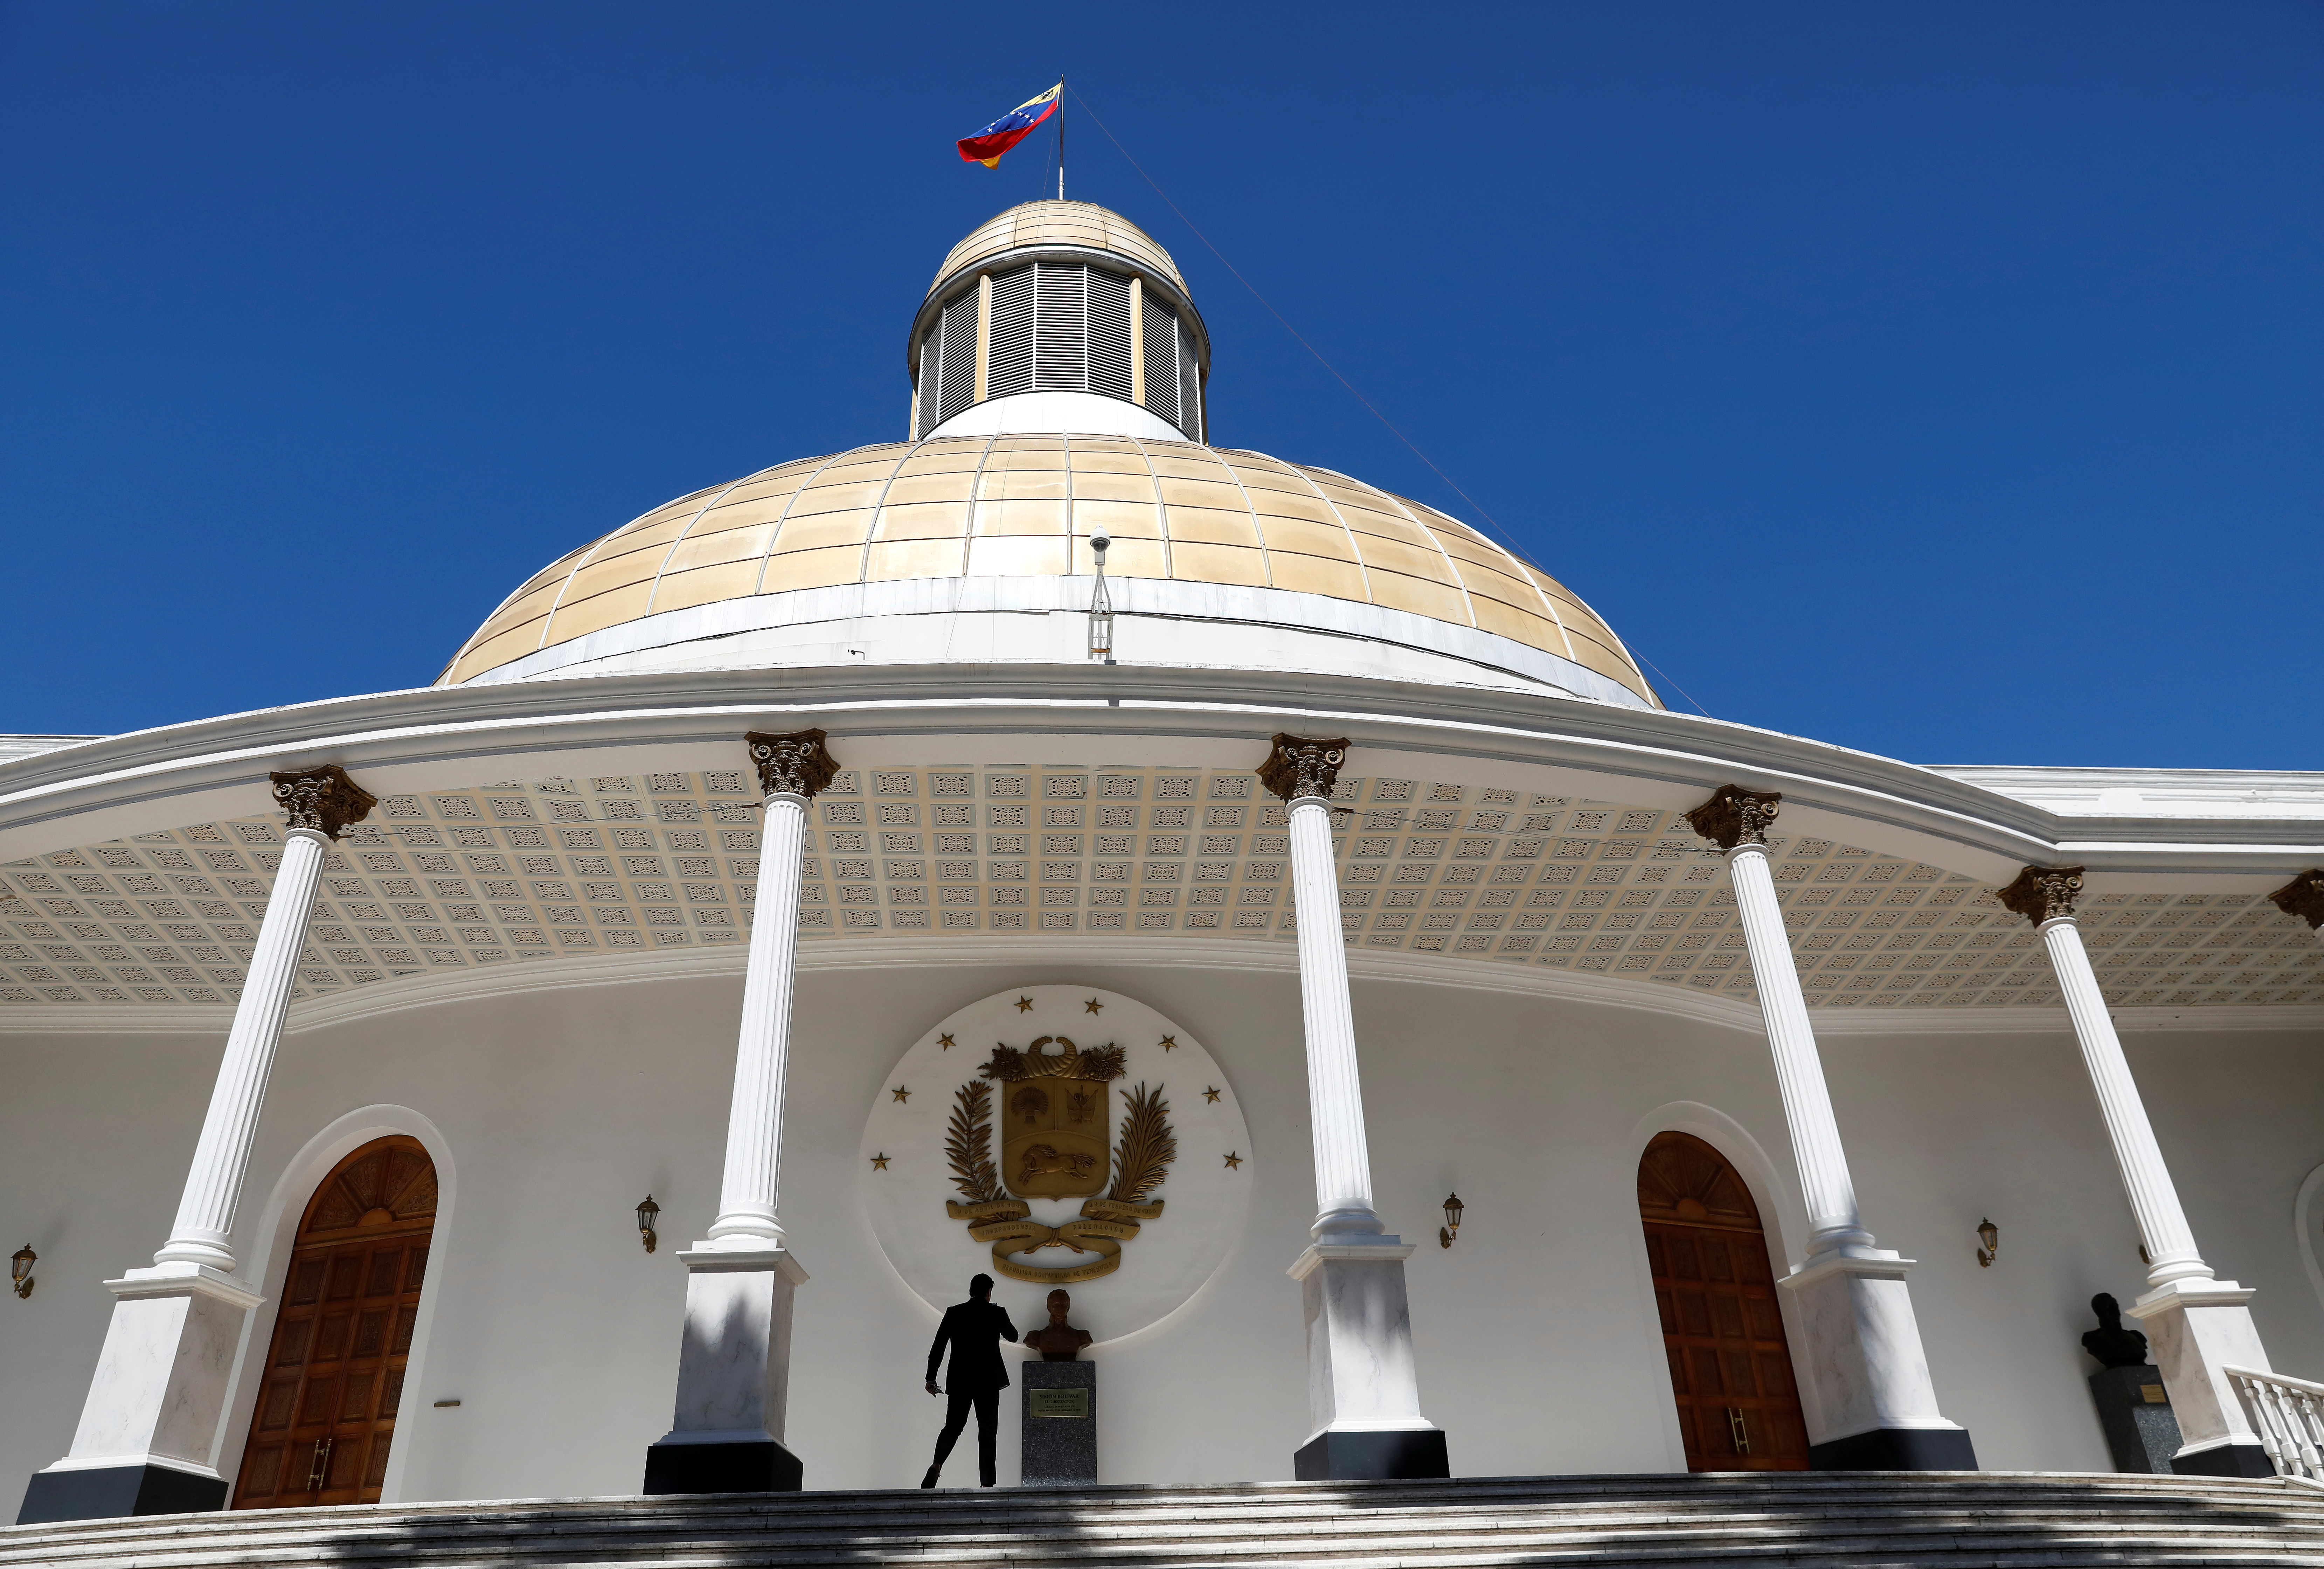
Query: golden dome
1023, 506
1058, 226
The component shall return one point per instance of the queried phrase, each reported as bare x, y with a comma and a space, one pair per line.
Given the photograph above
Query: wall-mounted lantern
1451, 1228
647, 1212
19, 1269
1989, 1235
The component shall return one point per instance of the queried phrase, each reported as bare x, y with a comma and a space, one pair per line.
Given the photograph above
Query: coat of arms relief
1056, 1111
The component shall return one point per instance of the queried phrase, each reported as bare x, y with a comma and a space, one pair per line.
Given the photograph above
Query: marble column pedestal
148, 1437
733, 1376
1058, 1434
1361, 1386
1865, 1365
2196, 1330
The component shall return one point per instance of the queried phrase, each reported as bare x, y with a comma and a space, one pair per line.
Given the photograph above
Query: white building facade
807, 856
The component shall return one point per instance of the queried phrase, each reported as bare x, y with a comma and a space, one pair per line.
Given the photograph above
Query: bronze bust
2111, 1344
1057, 1341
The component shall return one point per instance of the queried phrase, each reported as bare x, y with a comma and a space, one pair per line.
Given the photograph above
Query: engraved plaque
1060, 1402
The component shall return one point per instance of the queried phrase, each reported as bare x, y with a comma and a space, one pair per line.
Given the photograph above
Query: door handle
316, 1472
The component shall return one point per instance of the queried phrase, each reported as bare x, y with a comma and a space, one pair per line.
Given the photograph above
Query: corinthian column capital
796, 764
2303, 895
1734, 816
2044, 893
322, 798
1299, 767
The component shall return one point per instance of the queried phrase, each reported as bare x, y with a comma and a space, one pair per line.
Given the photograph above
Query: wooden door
1729, 1365
333, 1382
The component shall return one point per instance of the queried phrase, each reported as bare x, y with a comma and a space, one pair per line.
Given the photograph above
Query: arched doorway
333, 1377
1731, 1368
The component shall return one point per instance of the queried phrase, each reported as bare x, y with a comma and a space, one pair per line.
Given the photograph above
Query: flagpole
1061, 135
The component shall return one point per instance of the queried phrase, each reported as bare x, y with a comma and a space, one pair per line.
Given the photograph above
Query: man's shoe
930, 1480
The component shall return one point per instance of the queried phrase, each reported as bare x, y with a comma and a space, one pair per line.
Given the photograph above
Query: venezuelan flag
987, 145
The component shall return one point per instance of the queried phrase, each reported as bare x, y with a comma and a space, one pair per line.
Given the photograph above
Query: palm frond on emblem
968, 1142
1142, 1158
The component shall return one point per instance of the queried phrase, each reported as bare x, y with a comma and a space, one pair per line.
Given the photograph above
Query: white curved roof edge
2130, 794
465, 737
1144, 596
12, 747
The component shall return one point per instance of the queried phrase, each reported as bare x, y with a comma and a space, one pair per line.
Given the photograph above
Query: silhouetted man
975, 1330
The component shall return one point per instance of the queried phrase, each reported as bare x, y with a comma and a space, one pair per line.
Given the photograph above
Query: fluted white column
147, 1438
2170, 1240
734, 1350
2198, 1326
204, 1220
1825, 1184
748, 1195
1871, 1404
1363, 1387
1335, 1095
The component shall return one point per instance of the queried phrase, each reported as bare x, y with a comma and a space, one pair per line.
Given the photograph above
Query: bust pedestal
2142, 1433
1060, 1423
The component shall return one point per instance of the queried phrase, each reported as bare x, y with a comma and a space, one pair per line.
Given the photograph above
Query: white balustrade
2288, 1414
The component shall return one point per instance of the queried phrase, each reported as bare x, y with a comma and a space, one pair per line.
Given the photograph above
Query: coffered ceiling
530, 872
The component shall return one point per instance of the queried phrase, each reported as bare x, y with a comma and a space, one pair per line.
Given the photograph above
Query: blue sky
1942, 380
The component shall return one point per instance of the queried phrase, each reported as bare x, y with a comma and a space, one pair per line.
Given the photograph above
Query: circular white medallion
1056, 1124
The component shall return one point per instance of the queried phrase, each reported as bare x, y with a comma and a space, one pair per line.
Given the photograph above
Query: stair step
1831, 1521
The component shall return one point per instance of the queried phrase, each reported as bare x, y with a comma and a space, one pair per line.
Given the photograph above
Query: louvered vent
959, 374
1057, 327
925, 398
1162, 361
1061, 329
1190, 388
1109, 333
1011, 366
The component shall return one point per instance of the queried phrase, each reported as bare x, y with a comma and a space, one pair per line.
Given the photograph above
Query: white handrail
2288, 1414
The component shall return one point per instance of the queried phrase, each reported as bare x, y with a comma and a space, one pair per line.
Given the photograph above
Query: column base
1896, 1449
2197, 1330
751, 1466
111, 1492
2245, 1460
1397, 1454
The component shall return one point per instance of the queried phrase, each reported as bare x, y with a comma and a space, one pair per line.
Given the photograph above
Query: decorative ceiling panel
521, 872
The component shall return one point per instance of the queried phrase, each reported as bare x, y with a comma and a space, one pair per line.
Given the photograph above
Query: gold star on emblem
1094, 1005
1169, 1043
900, 1092
1024, 1005
880, 1161
945, 1041
1234, 1163
1211, 1094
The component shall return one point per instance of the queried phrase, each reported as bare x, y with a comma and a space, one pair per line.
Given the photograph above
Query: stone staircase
1832, 1521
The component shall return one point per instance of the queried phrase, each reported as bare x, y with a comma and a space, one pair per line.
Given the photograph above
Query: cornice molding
1157, 951
461, 737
